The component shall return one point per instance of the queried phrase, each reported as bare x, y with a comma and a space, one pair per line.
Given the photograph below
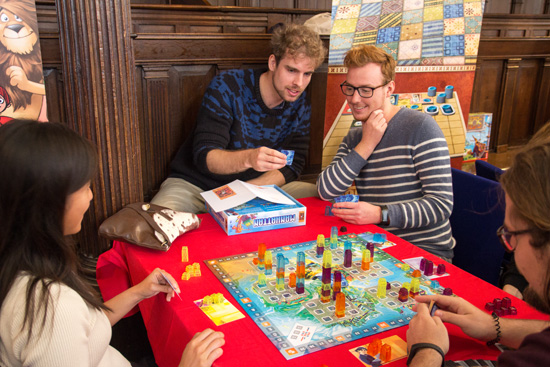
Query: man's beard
532, 298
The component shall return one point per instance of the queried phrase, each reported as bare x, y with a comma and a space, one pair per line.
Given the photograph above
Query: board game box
260, 215
301, 323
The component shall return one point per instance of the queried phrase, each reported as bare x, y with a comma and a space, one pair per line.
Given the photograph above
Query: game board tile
472, 44
390, 48
450, 2
433, 13
453, 60
371, 1
336, 57
370, 9
472, 24
349, 2
386, 35
408, 62
472, 9
344, 26
453, 11
432, 47
390, 20
455, 123
458, 148
413, 4
348, 11
457, 131
453, 45
432, 61
368, 23
471, 60
341, 41
411, 31
392, 6
412, 17
432, 3
459, 139
453, 26
411, 49
368, 37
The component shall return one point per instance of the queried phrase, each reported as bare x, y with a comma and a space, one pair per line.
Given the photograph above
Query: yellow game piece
189, 268
206, 300
184, 254
185, 276
405, 267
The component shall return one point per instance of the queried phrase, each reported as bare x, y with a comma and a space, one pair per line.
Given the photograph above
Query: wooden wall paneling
524, 103
316, 93
100, 101
487, 92
498, 6
507, 103
55, 98
543, 97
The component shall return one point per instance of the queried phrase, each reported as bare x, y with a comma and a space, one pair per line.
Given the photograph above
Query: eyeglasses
505, 237
365, 92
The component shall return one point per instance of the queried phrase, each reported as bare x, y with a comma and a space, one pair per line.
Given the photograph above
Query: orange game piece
340, 305
417, 273
292, 280
255, 261
385, 353
374, 347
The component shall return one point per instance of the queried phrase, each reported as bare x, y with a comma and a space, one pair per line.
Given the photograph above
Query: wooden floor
502, 160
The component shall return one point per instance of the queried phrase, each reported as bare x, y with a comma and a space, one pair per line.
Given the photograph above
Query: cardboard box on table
241, 208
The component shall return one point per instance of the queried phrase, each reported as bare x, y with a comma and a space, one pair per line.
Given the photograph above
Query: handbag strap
139, 208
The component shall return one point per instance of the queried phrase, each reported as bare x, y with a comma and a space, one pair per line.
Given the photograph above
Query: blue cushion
478, 212
487, 170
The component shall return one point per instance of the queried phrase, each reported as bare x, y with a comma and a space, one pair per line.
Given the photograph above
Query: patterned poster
435, 44
22, 90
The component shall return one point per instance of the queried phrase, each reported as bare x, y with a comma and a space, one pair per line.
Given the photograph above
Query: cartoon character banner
22, 90
435, 44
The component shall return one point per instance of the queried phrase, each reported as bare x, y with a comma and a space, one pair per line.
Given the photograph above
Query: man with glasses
398, 158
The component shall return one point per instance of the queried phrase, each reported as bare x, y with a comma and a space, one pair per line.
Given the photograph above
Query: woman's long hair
41, 164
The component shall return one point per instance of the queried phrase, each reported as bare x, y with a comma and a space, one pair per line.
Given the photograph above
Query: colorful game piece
370, 247
340, 305
422, 265
347, 254
434, 284
184, 254
289, 156
432, 91
320, 245
381, 292
447, 110
385, 353
429, 268
327, 266
447, 292
207, 300
261, 255
513, 310
405, 267
262, 282
292, 280
343, 229
185, 276
365, 260
415, 287
334, 237
506, 302
300, 272
280, 285
325, 293
431, 110
255, 261
441, 97
490, 306
374, 347
426, 101
403, 294
196, 270
218, 298
407, 286
268, 263
328, 211
497, 302
379, 238
449, 91
337, 286
441, 269
416, 273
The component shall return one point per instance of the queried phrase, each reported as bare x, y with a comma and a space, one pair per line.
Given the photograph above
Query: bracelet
416, 347
497, 326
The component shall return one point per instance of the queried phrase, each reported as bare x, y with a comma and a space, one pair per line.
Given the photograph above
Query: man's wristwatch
384, 216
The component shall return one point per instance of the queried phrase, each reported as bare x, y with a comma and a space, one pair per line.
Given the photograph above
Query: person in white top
49, 316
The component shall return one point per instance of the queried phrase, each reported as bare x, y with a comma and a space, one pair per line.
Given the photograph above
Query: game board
299, 324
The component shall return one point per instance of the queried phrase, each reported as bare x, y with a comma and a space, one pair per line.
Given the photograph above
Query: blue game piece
379, 237
328, 211
289, 156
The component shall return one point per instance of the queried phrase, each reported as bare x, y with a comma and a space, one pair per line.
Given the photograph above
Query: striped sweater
409, 171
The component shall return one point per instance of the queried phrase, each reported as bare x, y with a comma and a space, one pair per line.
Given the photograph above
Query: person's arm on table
122, 303
478, 324
428, 333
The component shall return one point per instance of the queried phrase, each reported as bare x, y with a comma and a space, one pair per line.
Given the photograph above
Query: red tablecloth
170, 325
